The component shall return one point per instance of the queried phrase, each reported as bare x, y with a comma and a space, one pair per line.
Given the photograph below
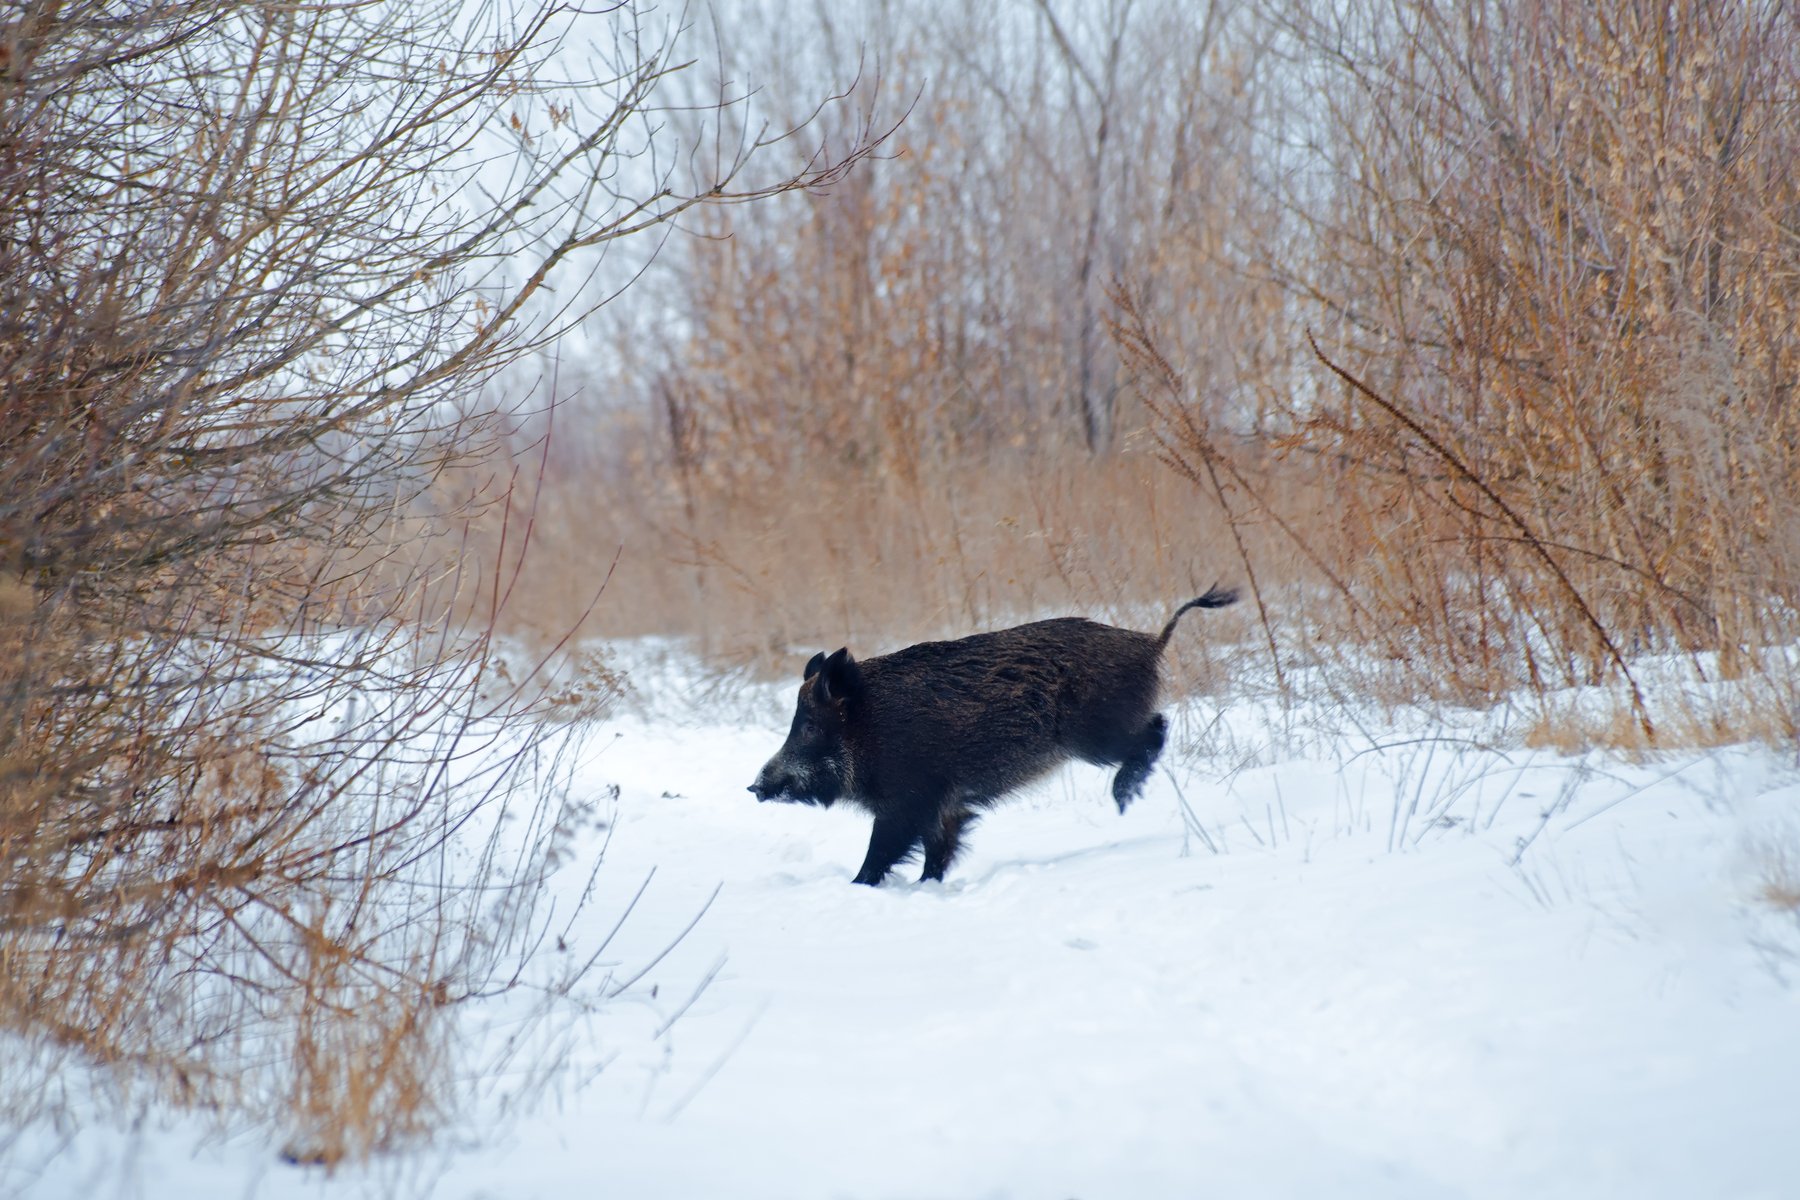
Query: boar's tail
1216, 597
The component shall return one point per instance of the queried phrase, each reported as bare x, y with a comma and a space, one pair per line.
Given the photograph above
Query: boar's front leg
892, 839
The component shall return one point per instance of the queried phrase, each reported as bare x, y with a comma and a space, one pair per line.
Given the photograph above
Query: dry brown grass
1782, 892
752, 576
1758, 710
1775, 858
381, 1082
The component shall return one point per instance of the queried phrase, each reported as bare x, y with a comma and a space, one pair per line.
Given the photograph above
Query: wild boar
926, 737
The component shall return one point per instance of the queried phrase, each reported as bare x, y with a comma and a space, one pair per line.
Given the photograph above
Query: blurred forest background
1549, 253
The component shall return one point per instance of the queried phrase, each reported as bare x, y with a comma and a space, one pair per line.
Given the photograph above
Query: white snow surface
1405, 964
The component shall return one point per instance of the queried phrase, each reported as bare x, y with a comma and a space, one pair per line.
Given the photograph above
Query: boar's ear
812, 666
840, 677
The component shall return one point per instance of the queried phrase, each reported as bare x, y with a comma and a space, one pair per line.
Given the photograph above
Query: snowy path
1082, 1010
1102, 1006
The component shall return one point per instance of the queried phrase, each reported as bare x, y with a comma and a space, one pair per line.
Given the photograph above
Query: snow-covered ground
1401, 965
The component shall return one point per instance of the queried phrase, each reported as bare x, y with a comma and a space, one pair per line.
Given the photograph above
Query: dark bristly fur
924, 737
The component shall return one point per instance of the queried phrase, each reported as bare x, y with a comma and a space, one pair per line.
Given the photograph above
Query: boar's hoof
1128, 785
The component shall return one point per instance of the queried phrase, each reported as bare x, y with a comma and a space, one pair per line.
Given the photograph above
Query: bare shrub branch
258, 263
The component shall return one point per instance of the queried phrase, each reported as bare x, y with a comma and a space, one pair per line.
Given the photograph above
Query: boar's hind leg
1128, 784
943, 839
892, 839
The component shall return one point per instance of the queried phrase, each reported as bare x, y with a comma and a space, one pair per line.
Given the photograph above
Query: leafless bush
256, 261
1548, 253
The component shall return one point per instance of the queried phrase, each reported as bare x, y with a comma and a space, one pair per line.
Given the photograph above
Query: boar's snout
793, 782
772, 783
